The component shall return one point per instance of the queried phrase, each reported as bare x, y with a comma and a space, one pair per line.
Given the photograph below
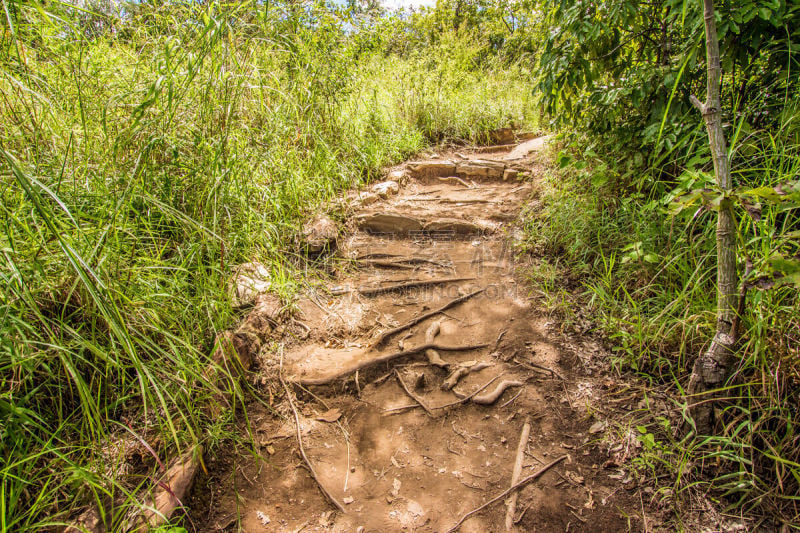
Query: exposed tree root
168, 493
414, 321
539, 368
399, 262
389, 264
322, 488
409, 285
433, 356
465, 399
490, 397
413, 395
383, 359
459, 373
512, 488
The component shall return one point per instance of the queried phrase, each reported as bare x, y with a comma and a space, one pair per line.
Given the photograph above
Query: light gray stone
386, 189
320, 233
249, 280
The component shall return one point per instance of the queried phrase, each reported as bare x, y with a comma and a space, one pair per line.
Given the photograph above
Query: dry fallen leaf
331, 415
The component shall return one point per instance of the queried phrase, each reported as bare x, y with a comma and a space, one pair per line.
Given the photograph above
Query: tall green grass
142, 159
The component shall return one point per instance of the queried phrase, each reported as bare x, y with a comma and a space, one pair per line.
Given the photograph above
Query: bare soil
394, 466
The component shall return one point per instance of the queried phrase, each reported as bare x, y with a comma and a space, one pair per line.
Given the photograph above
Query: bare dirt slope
392, 464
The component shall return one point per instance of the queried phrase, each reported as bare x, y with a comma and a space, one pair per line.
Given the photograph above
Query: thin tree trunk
712, 368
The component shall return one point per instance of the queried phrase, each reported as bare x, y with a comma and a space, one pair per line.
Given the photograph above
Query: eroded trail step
408, 438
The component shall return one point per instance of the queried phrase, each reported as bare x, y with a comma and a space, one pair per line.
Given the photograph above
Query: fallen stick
534, 366
433, 356
385, 358
517, 471
459, 373
414, 321
506, 492
412, 395
409, 285
490, 397
322, 488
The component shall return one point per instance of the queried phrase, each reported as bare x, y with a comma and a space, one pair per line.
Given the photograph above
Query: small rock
264, 519
510, 174
368, 198
386, 189
415, 508
396, 483
597, 427
249, 280
360, 529
400, 176
319, 234
348, 500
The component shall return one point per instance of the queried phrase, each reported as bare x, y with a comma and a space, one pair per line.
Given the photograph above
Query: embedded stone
320, 233
368, 198
386, 189
400, 176
502, 135
510, 174
249, 280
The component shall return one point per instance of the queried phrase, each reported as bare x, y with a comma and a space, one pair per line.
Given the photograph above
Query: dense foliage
616, 77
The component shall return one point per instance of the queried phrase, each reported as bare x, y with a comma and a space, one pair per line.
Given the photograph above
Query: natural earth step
390, 223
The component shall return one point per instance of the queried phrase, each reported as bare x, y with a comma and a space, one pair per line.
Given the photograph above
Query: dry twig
517, 471
506, 492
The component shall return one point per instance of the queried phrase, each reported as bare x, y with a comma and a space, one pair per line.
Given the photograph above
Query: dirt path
392, 465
